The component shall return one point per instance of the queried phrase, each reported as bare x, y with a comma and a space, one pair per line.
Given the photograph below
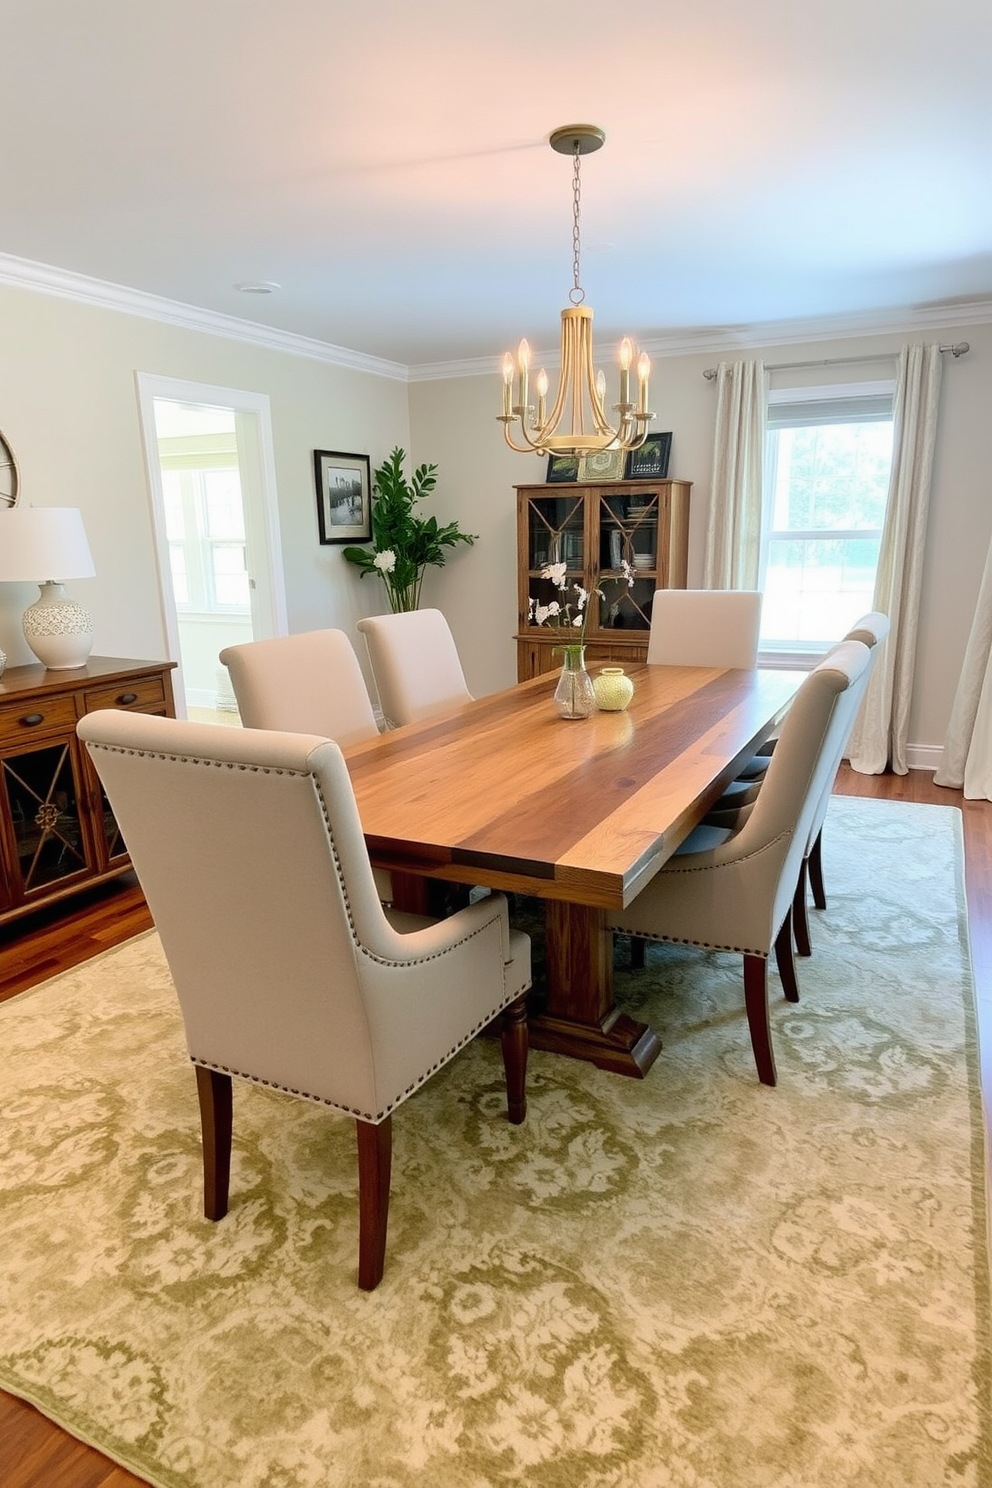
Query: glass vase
574, 697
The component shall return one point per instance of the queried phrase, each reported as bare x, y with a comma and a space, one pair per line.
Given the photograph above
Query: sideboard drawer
28, 719
140, 694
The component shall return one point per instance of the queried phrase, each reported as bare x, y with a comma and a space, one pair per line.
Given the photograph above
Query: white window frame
832, 399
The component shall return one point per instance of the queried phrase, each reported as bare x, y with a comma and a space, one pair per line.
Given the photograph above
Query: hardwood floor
36, 1454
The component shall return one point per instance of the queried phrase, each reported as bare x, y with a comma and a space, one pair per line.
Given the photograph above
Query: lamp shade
44, 542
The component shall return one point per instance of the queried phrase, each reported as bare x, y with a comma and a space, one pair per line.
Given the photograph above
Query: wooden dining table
581, 813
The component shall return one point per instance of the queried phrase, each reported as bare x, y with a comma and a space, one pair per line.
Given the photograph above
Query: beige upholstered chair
415, 665
307, 684
289, 973
705, 627
870, 630
733, 891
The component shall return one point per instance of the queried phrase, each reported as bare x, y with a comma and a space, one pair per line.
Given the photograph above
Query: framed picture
650, 462
601, 465
562, 468
344, 496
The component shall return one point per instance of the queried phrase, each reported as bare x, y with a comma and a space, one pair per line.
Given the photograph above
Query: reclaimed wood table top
504, 792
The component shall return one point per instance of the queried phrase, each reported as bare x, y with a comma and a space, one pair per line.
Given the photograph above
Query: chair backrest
871, 629
705, 627
249, 849
804, 762
415, 664
308, 684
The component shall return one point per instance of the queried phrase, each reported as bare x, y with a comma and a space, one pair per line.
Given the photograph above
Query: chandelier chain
576, 294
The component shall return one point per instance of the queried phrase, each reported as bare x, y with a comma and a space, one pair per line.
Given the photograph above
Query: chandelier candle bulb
643, 373
626, 353
507, 385
523, 363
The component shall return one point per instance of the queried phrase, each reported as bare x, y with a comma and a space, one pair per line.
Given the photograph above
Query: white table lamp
38, 543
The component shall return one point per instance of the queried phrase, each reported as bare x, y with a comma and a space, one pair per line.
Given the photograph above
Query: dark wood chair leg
800, 917
784, 961
638, 945
213, 1090
375, 1157
816, 872
514, 1041
756, 1002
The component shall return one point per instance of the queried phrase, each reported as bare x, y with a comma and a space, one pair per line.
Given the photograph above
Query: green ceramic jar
612, 689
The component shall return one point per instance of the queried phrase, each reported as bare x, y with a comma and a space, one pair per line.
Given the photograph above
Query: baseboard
923, 756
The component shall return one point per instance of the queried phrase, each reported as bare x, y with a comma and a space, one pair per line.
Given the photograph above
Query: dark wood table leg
579, 1017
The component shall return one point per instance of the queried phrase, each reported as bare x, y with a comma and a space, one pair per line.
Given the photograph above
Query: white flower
556, 573
541, 613
554, 608
385, 561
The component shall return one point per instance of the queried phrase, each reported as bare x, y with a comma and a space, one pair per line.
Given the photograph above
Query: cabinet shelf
593, 529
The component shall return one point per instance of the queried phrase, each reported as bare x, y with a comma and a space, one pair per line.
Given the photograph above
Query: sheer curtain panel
879, 736
733, 533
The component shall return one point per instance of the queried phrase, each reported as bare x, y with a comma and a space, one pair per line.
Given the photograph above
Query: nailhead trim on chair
376, 1118
379, 1116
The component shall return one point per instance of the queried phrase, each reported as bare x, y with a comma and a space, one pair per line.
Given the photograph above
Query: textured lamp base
58, 630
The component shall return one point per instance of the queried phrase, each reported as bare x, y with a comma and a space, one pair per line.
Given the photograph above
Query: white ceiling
387, 163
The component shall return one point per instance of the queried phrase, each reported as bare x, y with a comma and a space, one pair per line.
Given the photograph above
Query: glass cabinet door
44, 811
628, 533
555, 534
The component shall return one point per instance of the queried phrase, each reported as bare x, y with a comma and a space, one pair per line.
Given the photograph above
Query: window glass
827, 466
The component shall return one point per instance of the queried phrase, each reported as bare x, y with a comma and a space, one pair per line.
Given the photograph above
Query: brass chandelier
581, 389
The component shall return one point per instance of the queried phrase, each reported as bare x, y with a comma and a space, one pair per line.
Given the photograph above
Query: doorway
211, 481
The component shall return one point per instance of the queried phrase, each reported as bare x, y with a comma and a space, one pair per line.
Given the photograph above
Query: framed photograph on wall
344, 496
601, 465
562, 468
650, 462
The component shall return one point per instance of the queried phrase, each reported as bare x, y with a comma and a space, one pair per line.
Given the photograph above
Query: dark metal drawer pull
128, 697
31, 720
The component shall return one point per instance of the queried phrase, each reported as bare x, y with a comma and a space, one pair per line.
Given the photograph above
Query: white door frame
252, 418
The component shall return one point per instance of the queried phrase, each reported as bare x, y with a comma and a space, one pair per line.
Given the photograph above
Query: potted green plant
403, 542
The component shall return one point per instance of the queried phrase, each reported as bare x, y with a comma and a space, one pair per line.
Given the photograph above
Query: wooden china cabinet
57, 832
592, 528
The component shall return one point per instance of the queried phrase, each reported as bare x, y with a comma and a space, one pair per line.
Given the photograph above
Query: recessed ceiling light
258, 286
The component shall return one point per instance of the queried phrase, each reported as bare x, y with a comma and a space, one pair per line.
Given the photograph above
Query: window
205, 527
828, 458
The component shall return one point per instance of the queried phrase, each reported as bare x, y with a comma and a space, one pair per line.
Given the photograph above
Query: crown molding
712, 339
22, 273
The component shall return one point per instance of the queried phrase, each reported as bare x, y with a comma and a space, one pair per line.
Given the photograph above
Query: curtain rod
958, 349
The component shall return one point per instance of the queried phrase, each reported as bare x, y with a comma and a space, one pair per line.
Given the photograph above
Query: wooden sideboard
57, 832
591, 528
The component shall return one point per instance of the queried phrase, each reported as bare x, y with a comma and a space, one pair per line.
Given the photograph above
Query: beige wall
68, 404
477, 469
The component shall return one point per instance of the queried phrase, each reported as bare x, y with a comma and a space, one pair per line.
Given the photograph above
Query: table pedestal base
579, 1017
622, 1046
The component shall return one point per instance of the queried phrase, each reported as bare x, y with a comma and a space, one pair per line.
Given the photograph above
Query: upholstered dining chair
289, 973
415, 664
705, 627
309, 683
732, 890
870, 630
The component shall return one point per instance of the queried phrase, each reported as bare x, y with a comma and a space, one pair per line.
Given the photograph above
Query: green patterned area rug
689, 1281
